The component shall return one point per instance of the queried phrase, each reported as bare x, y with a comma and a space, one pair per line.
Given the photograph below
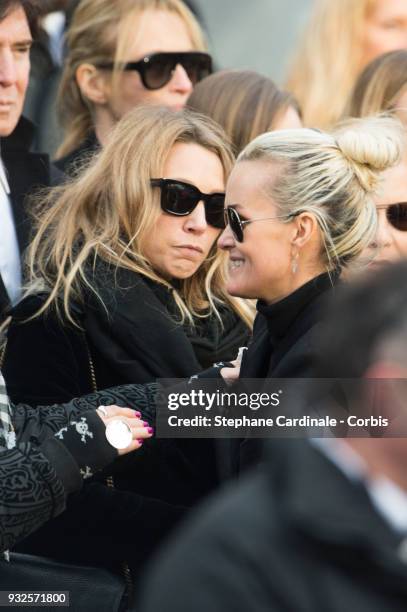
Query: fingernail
146, 424
150, 430
140, 442
138, 414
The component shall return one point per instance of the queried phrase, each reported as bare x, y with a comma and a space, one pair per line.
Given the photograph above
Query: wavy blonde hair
245, 103
109, 211
328, 59
100, 31
379, 86
333, 177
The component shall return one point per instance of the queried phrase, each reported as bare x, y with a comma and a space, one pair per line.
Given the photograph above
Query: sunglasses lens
179, 199
397, 216
214, 209
197, 67
234, 222
158, 71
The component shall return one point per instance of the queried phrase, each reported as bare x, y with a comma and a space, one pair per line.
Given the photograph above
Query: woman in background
341, 38
246, 104
122, 54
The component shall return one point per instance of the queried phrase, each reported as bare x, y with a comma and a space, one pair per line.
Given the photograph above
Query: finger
110, 411
135, 445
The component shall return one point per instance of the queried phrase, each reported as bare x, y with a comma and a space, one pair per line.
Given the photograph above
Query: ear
305, 227
92, 83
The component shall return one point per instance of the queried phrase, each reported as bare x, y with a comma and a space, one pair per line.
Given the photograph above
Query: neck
294, 282
104, 123
381, 457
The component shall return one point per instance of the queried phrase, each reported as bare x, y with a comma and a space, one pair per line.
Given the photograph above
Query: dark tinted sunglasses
237, 224
397, 215
180, 199
156, 69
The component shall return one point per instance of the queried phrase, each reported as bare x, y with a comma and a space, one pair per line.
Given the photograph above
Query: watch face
118, 434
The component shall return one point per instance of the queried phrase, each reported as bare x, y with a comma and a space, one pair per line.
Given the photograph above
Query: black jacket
285, 344
72, 162
135, 340
298, 537
26, 171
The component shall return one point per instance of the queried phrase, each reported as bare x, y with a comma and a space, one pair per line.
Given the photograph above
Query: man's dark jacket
298, 536
25, 171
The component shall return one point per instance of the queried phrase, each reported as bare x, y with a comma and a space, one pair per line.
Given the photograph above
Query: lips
235, 261
190, 249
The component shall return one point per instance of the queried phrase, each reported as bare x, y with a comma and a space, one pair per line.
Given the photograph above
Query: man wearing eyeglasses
20, 170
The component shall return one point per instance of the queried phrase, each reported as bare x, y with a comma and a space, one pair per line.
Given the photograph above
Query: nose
226, 240
384, 233
180, 82
196, 222
8, 70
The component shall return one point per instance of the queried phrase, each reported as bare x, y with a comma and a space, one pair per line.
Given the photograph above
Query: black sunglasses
180, 199
236, 224
396, 215
156, 69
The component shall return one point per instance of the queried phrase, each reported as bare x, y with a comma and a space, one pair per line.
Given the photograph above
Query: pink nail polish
145, 424
150, 430
138, 414
140, 442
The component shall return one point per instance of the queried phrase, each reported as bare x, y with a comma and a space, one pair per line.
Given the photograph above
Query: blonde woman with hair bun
341, 38
122, 54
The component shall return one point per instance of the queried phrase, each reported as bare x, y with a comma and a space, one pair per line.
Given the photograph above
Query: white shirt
388, 499
10, 263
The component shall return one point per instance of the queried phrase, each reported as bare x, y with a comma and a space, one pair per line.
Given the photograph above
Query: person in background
246, 104
20, 169
120, 55
382, 86
342, 37
52, 449
322, 526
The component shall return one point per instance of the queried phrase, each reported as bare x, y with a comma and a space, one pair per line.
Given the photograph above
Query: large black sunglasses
180, 199
396, 215
236, 224
156, 69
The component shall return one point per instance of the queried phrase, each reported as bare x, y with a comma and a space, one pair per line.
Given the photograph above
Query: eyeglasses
396, 215
156, 69
236, 224
180, 199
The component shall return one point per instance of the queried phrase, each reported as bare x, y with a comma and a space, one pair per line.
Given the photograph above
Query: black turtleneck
283, 341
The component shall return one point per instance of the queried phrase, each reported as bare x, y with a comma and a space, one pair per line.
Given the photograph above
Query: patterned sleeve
36, 424
30, 493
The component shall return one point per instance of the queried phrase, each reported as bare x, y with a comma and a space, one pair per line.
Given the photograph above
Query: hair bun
371, 145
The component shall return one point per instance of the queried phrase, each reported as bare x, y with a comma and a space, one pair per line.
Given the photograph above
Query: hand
231, 375
140, 429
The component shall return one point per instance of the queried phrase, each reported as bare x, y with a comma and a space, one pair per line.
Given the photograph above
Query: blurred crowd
157, 215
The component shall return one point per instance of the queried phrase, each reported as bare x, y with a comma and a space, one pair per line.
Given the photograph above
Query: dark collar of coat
323, 507
19, 140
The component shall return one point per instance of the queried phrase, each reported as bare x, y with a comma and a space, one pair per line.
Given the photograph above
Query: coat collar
21, 139
320, 503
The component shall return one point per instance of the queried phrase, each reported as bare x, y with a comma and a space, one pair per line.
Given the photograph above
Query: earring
294, 262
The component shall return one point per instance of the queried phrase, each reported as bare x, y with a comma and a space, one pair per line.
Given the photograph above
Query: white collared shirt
10, 262
388, 499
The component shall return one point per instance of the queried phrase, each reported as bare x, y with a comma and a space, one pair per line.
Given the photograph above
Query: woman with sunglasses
300, 209
122, 54
129, 287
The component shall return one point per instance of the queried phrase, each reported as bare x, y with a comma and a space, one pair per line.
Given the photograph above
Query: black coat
26, 171
298, 537
135, 340
285, 344
72, 162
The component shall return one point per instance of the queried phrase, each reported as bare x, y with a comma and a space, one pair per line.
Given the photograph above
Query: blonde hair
109, 211
379, 86
100, 31
328, 59
243, 102
332, 176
